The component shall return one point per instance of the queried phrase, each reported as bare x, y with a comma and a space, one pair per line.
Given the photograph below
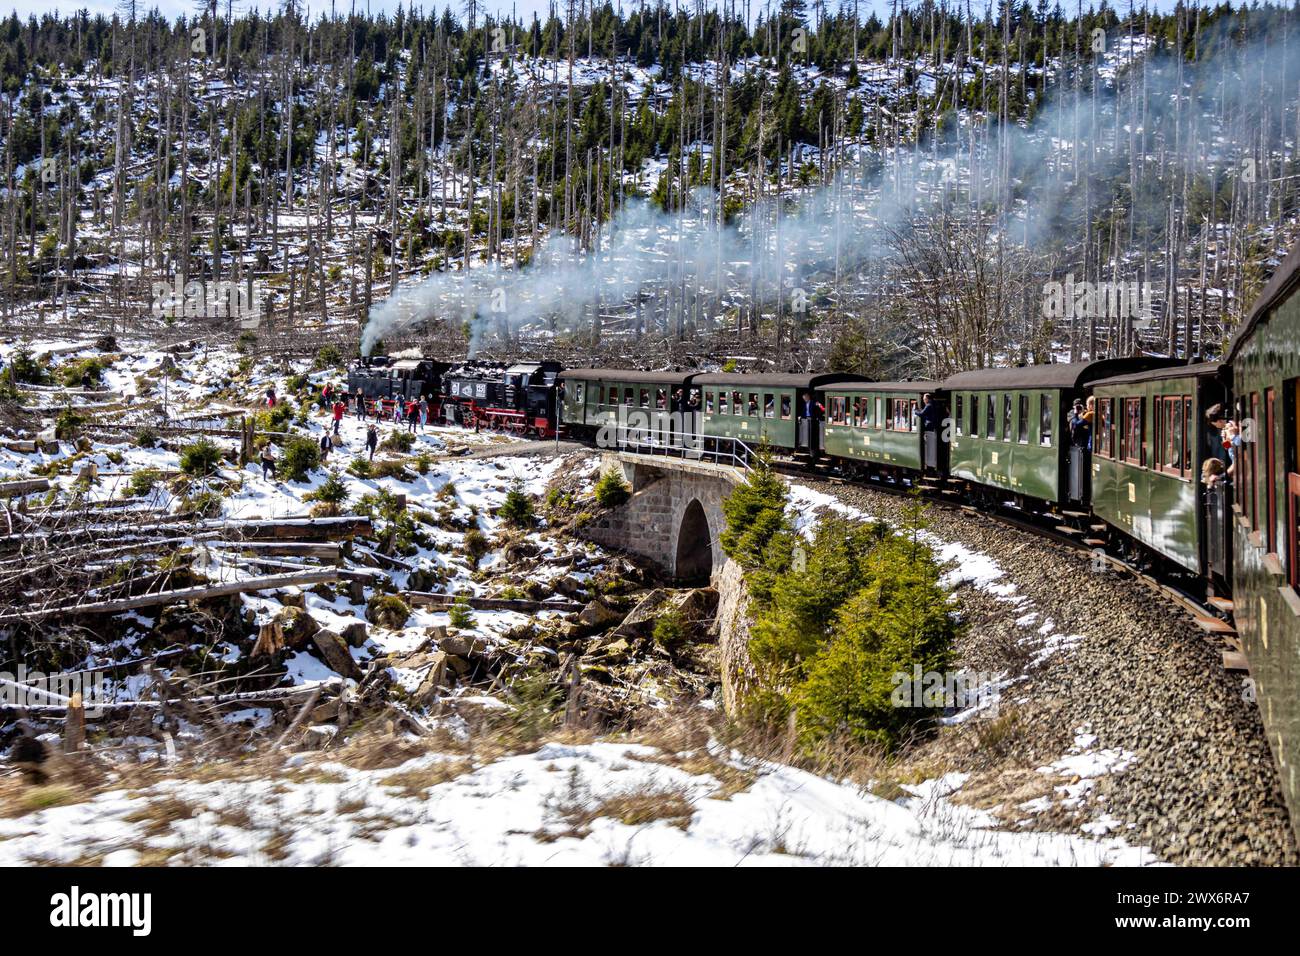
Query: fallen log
177, 596
285, 549
124, 707
10, 489
429, 599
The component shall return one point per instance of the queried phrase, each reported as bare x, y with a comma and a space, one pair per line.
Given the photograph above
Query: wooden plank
1235, 661
1213, 625
1095, 542
1221, 604
25, 487
179, 595
429, 599
1075, 514
1066, 529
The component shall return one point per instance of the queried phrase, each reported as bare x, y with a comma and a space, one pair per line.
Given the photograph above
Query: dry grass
640, 806
417, 782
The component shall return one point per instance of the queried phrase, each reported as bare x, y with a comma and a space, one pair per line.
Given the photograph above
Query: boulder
435, 678
569, 586
296, 627
462, 644
641, 621
697, 607
334, 651
356, 634
293, 599
436, 633
598, 616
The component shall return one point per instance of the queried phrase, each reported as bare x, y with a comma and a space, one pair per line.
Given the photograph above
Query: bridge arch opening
694, 559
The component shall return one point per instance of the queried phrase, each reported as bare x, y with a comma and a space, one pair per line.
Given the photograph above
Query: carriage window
1022, 425
1102, 442
878, 420
1132, 438
837, 410
751, 409
629, 396
708, 401
661, 398
785, 407
737, 404
769, 405
1270, 473
991, 417
958, 419
1291, 396
975, 416
913, 409
1006, 417
645, 398
578, 393
864, 412
1045, 418
1253, 494
723, 407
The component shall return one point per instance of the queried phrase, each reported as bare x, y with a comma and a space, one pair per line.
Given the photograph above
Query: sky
524, 8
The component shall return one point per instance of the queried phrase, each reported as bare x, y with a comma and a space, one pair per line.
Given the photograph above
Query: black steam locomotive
519, 398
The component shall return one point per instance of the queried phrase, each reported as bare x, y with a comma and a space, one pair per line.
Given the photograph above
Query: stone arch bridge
674, 516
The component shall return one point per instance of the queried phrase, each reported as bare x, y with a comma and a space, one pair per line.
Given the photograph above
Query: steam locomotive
518, 398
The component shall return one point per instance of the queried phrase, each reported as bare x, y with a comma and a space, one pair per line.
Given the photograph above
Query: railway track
1213, 618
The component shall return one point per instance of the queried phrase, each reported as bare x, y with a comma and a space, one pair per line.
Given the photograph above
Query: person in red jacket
339, 410
326, 394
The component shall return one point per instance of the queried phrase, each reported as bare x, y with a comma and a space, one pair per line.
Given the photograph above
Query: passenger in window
1213, 473
1080, 426
931, 415
1215, 422
811, 409
1090, 416
1231, 442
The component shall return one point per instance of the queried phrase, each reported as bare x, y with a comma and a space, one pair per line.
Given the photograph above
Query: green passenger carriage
878, 424
780, 408
1010, 428
1265, 358
632, 407
1150, 443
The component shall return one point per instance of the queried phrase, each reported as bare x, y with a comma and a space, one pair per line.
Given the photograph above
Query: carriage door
1080, 461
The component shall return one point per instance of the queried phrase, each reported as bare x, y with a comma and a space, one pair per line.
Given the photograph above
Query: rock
334, 651
462, 644
296, 626
356, 592
437, 633
323, 590
459, 665
569, 586
356, 634
597, 615
293, 599
615, 651
641, 621
326, 711
697, 608
318, 736
434, 680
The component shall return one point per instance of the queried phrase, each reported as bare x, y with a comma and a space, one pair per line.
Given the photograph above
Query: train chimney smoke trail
777, 244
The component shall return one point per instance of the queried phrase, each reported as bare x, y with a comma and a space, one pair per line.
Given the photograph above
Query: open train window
991, 417
708, 401
837, 410
974, 416
957, 422
1022, 424
629, 396
1045, 418
879, 420
1006, 417
902, 420
1253, 433
1270, 473
785, 407
769, 405
1131, 441
580, 393
737, 404
661, 398
751, 409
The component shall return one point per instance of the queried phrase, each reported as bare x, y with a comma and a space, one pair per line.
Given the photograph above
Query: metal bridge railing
690, 446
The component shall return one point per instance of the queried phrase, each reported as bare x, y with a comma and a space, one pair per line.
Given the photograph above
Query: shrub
246, 341
301, 456
612, 489
517, 510
397, 440
328, 356
391, 468
26, 369
75, 372
275, 419
476, 545
146, 437
670, 631
387, 610
360, 467
460, 615
68, 424
333, 490
423, 462
142, 483
755, 513
200, 458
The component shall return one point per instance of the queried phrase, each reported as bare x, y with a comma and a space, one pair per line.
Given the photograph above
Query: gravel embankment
1200, 785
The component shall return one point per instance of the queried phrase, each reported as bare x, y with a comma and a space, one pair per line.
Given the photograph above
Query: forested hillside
789, 186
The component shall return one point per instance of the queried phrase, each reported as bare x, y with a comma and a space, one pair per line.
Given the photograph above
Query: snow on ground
563, 805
